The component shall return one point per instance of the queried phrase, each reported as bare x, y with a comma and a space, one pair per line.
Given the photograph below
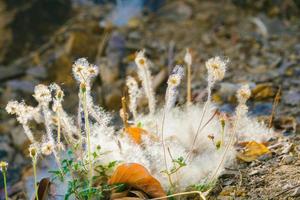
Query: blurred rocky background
40, 39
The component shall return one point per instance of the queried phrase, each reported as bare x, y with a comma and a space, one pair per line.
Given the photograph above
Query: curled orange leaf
137, 176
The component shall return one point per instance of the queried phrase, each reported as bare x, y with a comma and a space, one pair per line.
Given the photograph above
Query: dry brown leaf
43, 189
252, 151
135, 133
137, 176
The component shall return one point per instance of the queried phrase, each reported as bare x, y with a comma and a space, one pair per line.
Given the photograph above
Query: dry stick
181, 194
275, 103
284, 191
197, 133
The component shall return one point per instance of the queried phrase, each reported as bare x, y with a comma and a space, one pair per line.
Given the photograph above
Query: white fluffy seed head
47, 148
83, 71
188, 57
42, 94
243, 94
216, 68
23, 112
12, 107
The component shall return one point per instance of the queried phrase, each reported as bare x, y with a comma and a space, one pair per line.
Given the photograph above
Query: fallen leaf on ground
136, 133
252, 151
137, 176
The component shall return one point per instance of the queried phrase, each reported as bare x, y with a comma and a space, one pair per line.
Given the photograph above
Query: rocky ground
261, 39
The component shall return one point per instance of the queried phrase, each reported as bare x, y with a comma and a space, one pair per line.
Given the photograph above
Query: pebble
287, 148
265, 157
296, 192
288, 159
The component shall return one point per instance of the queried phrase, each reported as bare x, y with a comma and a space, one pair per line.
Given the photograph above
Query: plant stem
181, 194
222, 136
124, 117
35, 179
58, 127
164, 149
88, 134
5, 187
189, 90
199, 130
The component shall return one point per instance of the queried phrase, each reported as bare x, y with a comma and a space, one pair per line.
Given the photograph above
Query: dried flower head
42, 94
144, 74
216, 68
188, 57
13, 107
3, 166
141, 60
176, 76
223, 118
33, 150
173, 82
47, 148
83, 71
243, 94
23, 112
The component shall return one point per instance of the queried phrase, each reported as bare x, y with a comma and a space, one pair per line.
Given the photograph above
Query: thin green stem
222, 136
35, 179
5, 187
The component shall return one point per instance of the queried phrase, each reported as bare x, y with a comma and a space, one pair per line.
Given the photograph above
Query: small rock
292, 98
22, 85
296, 192
37, 72
265, 157
288, 159
287, 148
18, 136
254, 172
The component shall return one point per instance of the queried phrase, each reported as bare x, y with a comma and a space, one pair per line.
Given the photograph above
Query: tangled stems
4, 181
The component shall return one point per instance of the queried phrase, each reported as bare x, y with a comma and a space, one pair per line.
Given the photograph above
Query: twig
284, 191
275, 103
